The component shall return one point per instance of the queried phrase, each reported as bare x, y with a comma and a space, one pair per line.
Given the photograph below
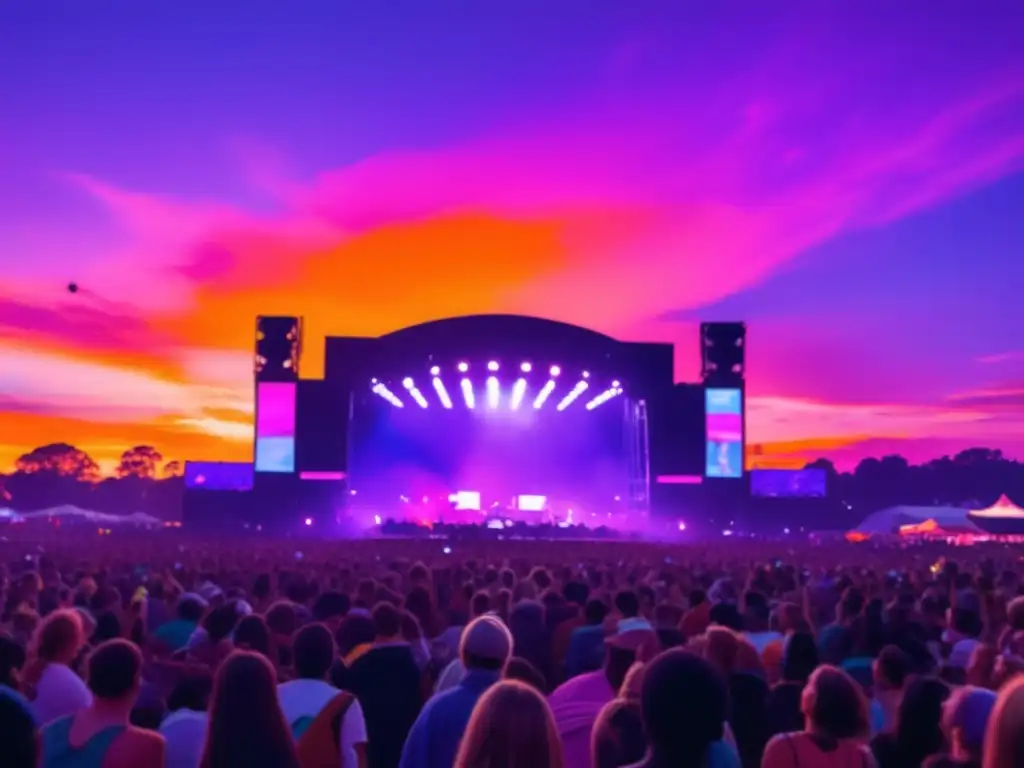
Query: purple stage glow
503, 456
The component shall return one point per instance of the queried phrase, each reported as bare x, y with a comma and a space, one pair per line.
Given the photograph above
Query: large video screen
218, 475
724, 422
788, 483
275, 427
573, 459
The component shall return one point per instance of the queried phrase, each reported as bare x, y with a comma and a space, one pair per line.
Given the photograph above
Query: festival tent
1003, 518
71, 512
910, 520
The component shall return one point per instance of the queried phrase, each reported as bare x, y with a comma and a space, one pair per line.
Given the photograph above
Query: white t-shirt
306, 698
60, 692
185, 733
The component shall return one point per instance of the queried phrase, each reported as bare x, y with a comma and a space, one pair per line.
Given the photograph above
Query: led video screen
724, 424
531, 503
218, 475
275, 427
788, 483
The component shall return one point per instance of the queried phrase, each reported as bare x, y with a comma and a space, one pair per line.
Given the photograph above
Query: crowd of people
163, 650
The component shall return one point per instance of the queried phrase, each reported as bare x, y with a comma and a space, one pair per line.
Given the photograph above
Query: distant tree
61, 460
173, 469
825, 464
140, 461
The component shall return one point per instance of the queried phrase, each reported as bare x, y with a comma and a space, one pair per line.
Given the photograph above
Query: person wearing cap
965, 717
433, 742
577, 703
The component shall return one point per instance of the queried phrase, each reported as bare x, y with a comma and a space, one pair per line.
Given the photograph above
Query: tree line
59, 473
144, 481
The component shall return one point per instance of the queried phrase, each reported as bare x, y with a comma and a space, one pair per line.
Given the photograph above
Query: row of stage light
492, 390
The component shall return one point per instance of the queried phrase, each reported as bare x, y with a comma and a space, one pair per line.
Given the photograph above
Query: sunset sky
846, 177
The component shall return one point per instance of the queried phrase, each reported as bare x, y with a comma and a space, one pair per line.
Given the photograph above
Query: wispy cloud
1002, 357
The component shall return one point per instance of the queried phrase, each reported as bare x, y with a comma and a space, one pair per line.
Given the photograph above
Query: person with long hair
1004, 736
618, 737
799, 660
918, 732
50, 684
684, 702
835, 727
511, 727
246, 725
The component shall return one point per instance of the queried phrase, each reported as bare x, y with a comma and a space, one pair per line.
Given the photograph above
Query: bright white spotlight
442, 393
467, 393
518, 390
603, 397
555, 370
381, 390
435, 370
493, 392
463, 367
416, 395
525, 367
544, 393
579, 389
407, 382
586, 374
492, 366
615, 385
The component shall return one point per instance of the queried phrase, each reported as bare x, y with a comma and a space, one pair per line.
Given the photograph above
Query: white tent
1004, 518
1002, 508
889, 521
71, 511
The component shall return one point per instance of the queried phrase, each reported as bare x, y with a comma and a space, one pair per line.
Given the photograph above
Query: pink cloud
711, 199
80, 322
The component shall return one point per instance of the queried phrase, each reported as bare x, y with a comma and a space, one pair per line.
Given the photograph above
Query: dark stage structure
482, 419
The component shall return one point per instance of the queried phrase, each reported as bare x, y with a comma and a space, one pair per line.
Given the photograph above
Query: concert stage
478, 419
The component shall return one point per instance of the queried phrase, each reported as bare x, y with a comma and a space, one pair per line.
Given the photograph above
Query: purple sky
844, 176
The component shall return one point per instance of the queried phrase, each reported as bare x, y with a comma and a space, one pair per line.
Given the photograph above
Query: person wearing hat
433, 742
965, 717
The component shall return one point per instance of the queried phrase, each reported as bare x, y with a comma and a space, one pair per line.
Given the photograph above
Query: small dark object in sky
72, 287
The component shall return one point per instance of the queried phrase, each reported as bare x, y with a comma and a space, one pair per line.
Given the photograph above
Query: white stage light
407, 382
604, 397
615, 385
555, 370
518, 390
442, 393
416, 395
467, 393
463, 367
493, 392
544, 394
579, 389
525, 367
435, 370
382, 391
492, 366
586, 374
